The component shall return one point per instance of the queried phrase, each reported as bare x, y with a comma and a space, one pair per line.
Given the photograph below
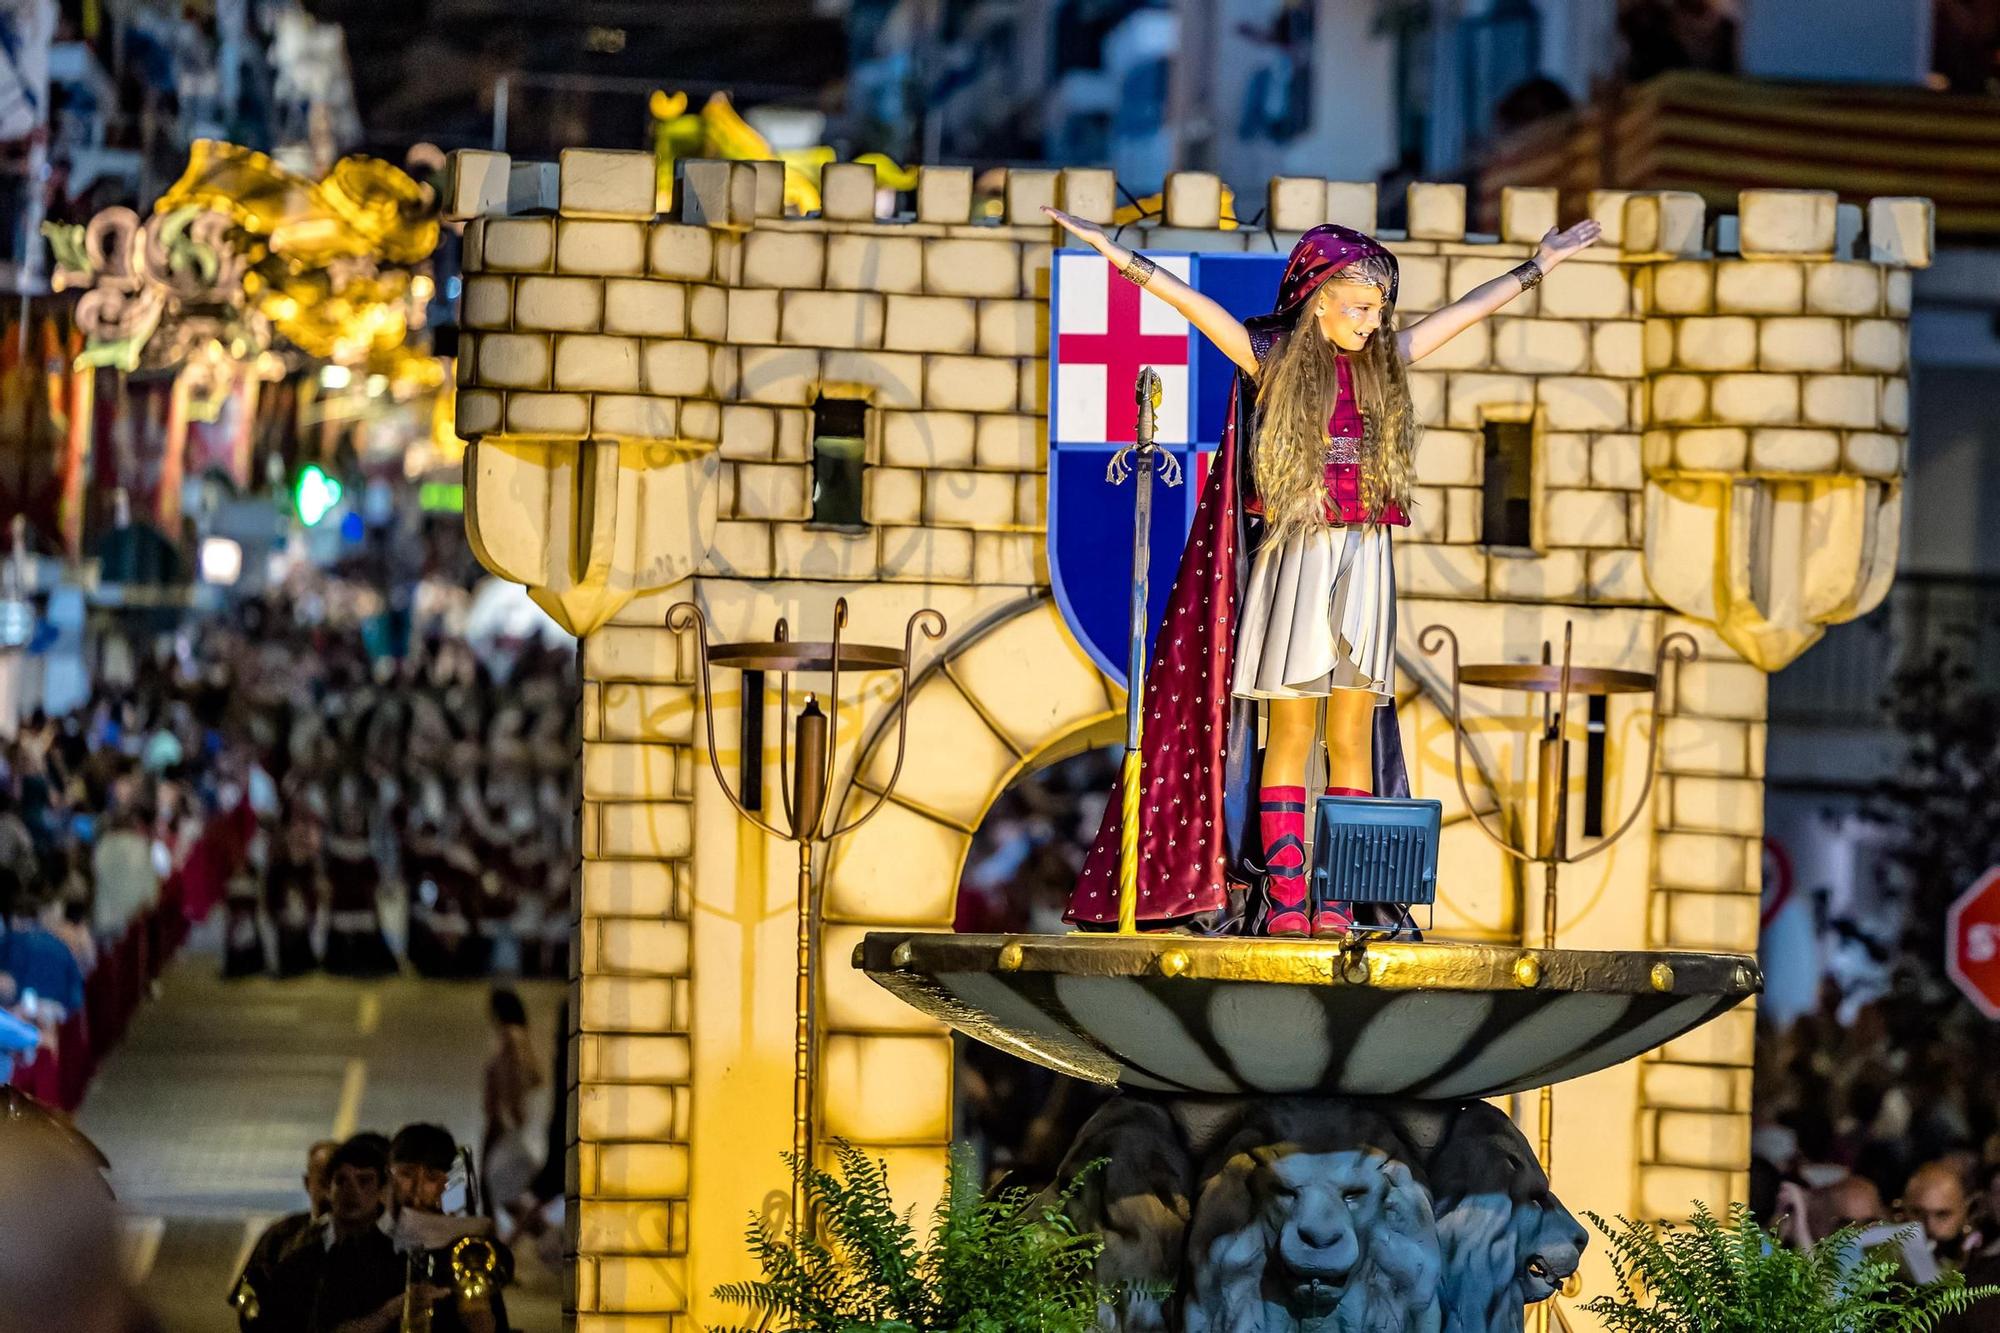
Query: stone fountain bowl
1171, 1013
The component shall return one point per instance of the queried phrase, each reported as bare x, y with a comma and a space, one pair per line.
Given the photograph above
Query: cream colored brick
1684, 288
1708, 862
1694, 1088
1677, 398
1723, 805
741, 550
1586, 291
465, 369
1753, 287
1781, 449
615, 888
1844, 289
488, 303
608, 183
1090, 193
1564, 459
893, 495
971, 383
1615, 348
1877, 344
708, 312
1028, 189
1469, 271
1555, 577
1616, 578
783, 375
519, 245
1031, 502
795, 428
561, 415
753, 314
1471, 349
969, 499
716, 194
847, 192
724, 374
1799, 343
1352, 204
515, 360
770, 188
475, 183
641, 307
928, 555
1727, 342
634, 417
1427, 396
1896, 404
1019, 442
886, 379
1440, 571
944, 194
1013, 328
876, 263
1449, 458
748, 433
1657, 343
1472, 395
1295, 203
1755, 400
831, 319
1420, 284
1584, 518
479, 412
1897, 288
1037, 257
1664, 222
1842, 400
1873, 455
774, 491
1576, 402
1721, 689
1614, 462
1527, 213
1427, 513
559, 305
1436, 211
1786, 222
801, 552
1463, 514
610, 249
472, 249
676, 250
1713, 747
786, 259
632, 1111
1004, 559
675, 367
1608, 208
1193, 199
927, 439
1902, 231
971, 268
931, 324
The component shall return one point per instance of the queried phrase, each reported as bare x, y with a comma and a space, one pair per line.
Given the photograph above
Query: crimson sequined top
1345, 430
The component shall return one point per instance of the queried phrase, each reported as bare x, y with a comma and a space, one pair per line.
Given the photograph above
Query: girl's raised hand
1089, 233
1560, 245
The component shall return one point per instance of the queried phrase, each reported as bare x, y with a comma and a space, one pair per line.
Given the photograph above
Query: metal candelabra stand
1555, 682
806, 762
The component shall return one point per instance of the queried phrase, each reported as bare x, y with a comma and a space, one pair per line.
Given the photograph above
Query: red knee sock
1347, 791
1281, 820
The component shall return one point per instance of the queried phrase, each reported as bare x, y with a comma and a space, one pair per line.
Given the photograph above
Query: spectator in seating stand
40, 963
277, 1239
317, 1268
125, 883
355, 946
292, 890
1936, 1196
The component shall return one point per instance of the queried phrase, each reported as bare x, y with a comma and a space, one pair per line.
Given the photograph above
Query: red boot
1281, 818
1332, 919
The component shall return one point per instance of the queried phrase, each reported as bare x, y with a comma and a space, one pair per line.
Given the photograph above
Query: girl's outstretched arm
1216, 324
1447, 322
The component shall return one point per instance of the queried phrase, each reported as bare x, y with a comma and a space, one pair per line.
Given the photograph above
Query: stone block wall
1717, 408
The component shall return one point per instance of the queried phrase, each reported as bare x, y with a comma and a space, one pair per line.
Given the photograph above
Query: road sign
1972, 943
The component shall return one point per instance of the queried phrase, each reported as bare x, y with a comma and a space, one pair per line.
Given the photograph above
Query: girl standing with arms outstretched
1285, 600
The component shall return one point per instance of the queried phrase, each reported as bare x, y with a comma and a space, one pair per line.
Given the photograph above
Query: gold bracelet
1529, 274
1138, 270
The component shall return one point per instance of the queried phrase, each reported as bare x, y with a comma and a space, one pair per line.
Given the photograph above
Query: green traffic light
314, 494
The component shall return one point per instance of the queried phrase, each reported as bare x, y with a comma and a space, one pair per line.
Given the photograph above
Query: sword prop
1138, 460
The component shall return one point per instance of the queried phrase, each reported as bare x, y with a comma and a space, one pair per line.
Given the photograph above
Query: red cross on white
1106, 329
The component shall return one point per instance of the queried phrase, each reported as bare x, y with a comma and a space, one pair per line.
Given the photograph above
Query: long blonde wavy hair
1296, 390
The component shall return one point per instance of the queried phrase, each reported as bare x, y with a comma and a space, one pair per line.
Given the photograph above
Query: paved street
208, 1107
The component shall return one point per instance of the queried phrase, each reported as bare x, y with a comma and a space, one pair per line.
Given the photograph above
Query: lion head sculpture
1310, 1218
1507, 1242
1136, 1200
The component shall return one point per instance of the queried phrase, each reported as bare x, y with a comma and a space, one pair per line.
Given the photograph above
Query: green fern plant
1712, 1276
1009, 1264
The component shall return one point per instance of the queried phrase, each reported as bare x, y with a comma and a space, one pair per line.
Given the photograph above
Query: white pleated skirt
1319, 615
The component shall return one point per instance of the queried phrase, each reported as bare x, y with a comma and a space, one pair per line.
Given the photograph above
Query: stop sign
1972, 942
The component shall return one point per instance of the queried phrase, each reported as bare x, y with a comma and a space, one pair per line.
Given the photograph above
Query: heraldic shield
1103, 331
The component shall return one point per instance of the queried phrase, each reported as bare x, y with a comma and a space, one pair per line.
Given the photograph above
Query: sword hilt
1149, 392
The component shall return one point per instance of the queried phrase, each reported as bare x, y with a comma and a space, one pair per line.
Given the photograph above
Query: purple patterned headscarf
1321, 253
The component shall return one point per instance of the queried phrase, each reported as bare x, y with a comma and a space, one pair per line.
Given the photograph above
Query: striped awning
1715, 135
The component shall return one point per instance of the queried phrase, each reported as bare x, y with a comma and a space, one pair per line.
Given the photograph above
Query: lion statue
1309, 1218
1507, 1242
1135, 1197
